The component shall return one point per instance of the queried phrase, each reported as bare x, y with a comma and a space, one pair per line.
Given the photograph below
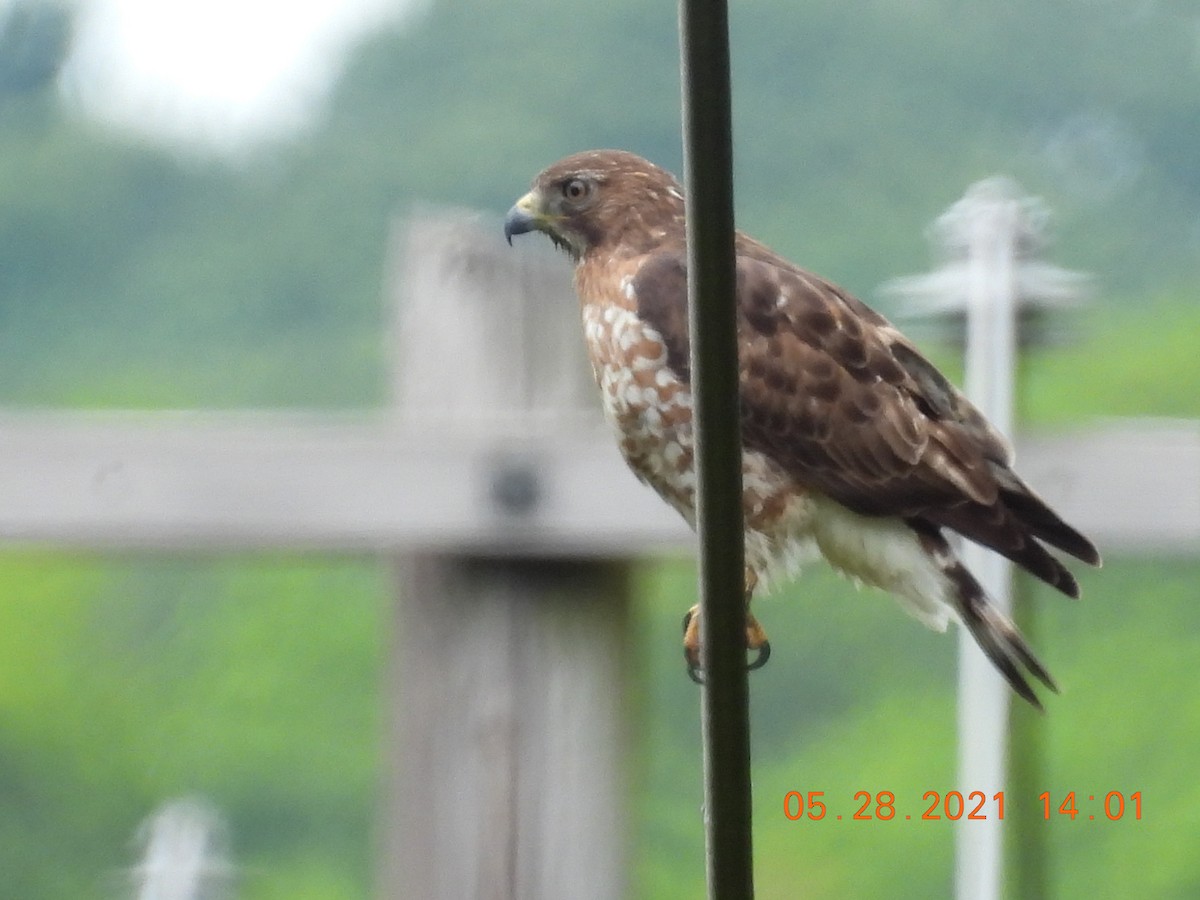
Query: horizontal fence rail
358, 483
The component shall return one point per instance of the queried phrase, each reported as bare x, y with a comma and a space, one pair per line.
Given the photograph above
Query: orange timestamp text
881, 806
954, 805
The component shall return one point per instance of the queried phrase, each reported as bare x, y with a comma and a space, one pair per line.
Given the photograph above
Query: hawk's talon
696, 673
764, 654
687, 619
756, 640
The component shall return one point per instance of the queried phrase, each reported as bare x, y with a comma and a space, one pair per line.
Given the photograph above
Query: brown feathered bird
856, 448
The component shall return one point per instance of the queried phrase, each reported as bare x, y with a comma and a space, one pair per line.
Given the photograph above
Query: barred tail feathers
994, 632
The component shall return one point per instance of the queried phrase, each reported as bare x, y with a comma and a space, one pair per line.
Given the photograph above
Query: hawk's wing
834, 394
844, 403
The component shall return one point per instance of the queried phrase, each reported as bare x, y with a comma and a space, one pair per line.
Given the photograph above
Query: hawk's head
600, 201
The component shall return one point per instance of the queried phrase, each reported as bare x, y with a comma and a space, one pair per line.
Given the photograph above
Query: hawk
855, 447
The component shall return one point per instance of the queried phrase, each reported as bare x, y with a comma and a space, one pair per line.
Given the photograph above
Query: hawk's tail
1015, 526
994, 632
1043, 522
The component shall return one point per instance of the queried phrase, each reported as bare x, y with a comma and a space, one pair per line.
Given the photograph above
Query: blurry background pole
185, 855
708, 168
991, 279
990, 223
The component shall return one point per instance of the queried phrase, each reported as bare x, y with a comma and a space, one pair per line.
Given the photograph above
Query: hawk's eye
576, 189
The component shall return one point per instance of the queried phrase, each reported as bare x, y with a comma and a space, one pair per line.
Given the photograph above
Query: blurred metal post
989, 236
510, 725
708, 167
991, 222
186, 854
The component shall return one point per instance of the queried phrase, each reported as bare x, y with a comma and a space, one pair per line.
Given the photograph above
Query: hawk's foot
756, 641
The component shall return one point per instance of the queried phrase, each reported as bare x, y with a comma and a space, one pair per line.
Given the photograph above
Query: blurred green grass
257, 682
123, 683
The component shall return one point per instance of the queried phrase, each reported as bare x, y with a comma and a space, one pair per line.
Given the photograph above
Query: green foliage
1136, 360
124, 685
34, 39
129, 278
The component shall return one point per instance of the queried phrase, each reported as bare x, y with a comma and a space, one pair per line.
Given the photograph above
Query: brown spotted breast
644, 400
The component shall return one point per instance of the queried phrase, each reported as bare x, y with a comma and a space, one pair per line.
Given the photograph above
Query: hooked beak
523, 217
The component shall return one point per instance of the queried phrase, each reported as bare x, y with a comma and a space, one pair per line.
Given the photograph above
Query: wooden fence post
508, 729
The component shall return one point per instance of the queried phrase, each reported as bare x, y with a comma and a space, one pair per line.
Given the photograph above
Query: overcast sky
221, 74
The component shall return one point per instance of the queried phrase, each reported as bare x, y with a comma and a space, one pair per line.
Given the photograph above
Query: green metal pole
708, 168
